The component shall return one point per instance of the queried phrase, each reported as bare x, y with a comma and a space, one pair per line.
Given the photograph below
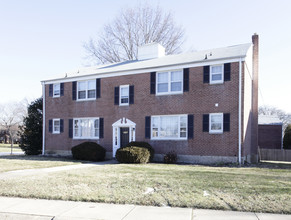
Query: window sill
86, 138
215, 132
56, 96
169, 139
168, 93
216, 83
84, 100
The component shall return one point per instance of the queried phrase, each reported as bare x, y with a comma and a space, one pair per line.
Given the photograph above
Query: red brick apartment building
202, 105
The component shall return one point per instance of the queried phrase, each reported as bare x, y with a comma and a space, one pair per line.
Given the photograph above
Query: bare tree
11, 116
133, 27
270, 110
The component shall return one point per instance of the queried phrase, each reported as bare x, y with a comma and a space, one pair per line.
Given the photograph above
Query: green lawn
7, 148
9, 163
265, 188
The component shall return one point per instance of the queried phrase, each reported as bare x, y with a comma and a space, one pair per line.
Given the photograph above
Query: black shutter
101, 127
62, 89
227, 71
147, 127
61, 125
186, 80
74, 90
206, 74
116, 95
70, 128
153, 82
226, 122
190, 126
205, 123
131, 94
51, 87
50, 126
98, 88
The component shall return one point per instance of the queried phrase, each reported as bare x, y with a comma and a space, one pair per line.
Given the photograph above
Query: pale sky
40, 39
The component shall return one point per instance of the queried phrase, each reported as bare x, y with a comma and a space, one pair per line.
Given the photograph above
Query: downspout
239, 112
43, 118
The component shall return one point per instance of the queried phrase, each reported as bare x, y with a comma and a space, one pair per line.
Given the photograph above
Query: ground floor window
216, 123
86, 128
169, 127
56, 126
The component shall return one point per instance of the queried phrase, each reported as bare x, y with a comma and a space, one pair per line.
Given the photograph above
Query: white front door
116, 134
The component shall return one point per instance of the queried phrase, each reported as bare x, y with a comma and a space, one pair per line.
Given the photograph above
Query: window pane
216, 122
169, 127
163, 77
81, 94
96, 123
56, 89
216, 77
216, 69
176, 86
81, 86
163, 87
91, 94
155, 122
91, 85
155, 132
176, 76
124, 100
124, 91
183, 121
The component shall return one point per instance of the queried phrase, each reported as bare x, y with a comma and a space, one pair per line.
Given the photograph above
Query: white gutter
43, 118
239, 112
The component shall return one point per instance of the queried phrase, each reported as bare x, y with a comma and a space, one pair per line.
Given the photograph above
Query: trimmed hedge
133, 154
143, 145
170, 157
89, 151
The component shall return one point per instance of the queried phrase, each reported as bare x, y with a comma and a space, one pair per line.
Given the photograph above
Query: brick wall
200, 99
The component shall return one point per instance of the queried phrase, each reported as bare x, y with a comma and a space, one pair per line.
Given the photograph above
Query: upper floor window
216, 123
169, 127
124, 95
57, 90
87, 89
216, 74
86, 128
169, 82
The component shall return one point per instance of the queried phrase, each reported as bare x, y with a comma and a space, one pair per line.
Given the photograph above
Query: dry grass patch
257, 189
7, 148
21, 162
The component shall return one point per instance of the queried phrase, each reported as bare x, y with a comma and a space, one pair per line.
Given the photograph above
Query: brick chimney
255, 86
150, 51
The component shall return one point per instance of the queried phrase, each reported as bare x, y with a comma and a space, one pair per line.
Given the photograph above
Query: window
169, 127
56, 126
216, 123
86, 128
216, 74
57, 90
124, 95
169, 82
87, 90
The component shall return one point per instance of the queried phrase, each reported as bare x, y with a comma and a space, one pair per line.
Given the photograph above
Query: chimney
150, 51
255, 86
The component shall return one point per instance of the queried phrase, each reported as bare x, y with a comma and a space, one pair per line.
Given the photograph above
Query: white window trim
86, 90
169, 83
215, 131
123, 104
167, 138
78, 137
222, 75
54, 120
56, 96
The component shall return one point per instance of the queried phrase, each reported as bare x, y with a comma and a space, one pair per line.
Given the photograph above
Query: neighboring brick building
270, 132
191, 103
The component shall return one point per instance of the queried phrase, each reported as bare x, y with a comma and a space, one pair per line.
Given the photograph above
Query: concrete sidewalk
18, 208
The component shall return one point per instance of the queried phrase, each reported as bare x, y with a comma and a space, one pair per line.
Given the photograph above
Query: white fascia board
144, 70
